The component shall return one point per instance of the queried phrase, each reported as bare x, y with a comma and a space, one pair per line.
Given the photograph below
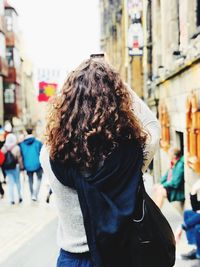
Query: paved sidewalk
23, 222
175, 219
39, 251
20, 222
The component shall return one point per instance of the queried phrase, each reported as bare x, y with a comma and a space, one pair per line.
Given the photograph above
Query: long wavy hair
91, 116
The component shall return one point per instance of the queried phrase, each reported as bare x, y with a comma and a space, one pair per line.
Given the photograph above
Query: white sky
59, 33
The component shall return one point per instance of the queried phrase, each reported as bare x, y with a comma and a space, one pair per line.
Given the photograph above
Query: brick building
12, 95
18, 101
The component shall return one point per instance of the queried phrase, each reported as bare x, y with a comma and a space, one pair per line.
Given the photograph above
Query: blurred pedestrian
20, 138
172, 183
1, 190
2, 159
12, 165
191, 224
2, 137
30, 149
8, 128
96, 133
48, 195
2, 142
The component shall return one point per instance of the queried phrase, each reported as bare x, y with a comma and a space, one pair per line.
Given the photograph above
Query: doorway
180, 141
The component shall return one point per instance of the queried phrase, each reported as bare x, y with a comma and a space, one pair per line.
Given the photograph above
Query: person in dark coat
2, 142
30, 149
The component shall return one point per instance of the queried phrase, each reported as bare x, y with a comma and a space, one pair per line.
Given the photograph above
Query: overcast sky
59, 33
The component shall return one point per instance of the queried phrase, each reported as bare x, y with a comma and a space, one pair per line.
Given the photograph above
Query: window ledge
196, 33
186, 65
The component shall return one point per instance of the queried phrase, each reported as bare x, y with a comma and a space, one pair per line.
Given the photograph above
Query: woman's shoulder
45, 161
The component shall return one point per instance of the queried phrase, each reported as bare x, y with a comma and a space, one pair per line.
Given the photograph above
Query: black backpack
10, 161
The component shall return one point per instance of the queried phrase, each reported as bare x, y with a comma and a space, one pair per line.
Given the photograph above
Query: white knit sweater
71, 234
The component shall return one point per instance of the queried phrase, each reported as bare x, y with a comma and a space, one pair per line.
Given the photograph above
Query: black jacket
107, 199
194, 202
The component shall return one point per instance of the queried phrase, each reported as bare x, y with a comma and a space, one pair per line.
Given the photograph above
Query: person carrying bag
11, 166
96, 149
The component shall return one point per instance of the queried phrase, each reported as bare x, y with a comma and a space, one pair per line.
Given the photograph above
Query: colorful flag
46, 90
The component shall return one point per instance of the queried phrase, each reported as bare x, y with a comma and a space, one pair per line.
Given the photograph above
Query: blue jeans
192, 222
67, 259
39, 179
13, 177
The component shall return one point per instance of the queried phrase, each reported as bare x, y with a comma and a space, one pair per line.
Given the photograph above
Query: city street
28, 231
72, 77
39, 251
175, 220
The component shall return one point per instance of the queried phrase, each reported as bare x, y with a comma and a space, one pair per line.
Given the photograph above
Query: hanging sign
46, 90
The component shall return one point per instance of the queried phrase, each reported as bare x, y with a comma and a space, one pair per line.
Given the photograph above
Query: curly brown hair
91, 116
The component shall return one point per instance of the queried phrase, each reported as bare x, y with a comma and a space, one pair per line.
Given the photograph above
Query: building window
12, 56
198, 13
9, 94
9, 23
165, 130
11, 20
193, 132
2, 45
9, 56
17, 60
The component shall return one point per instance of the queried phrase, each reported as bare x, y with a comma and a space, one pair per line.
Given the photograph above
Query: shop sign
135, 39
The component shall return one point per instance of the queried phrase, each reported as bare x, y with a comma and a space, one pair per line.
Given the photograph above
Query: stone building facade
171, 65
120, 21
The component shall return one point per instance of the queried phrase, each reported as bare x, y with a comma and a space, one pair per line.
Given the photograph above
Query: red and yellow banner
46, 90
